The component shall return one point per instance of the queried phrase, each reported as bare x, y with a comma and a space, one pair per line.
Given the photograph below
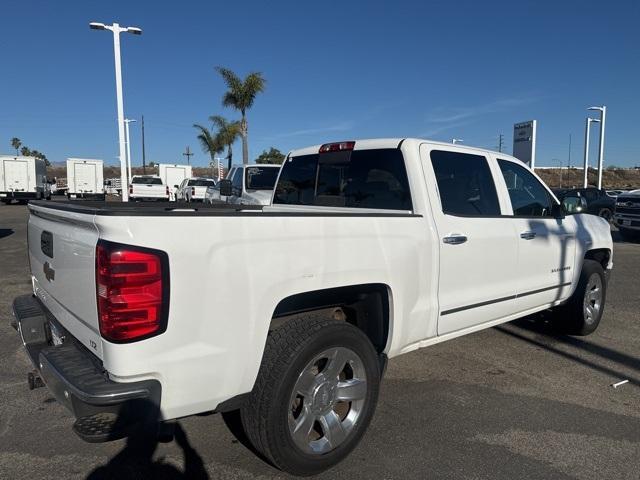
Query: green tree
273, 156
228, 132
208, 141
16, 143
25, 152
240, 95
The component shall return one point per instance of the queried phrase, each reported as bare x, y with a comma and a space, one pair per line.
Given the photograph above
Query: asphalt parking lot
509, 402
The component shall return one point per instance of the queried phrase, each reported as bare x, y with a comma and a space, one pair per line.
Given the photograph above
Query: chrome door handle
455, 239
528, 235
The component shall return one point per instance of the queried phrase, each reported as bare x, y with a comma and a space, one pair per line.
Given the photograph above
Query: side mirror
175, 186
573, 204
225, 188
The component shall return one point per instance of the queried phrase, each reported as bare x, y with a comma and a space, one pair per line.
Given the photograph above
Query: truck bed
147, 208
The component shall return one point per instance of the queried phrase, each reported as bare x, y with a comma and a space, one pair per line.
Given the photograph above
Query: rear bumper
88, 196
20, 195
75, 376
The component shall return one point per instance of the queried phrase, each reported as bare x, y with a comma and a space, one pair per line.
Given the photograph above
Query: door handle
528, 235
455, 239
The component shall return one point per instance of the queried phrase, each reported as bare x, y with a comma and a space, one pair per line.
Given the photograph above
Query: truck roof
371, 143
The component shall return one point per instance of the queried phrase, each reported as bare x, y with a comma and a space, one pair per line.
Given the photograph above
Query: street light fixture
117, 30
127, 121
456, 140
603, 118
586, 149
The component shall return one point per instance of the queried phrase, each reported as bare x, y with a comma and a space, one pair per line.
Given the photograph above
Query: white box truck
85, 178
22, 179
172, 175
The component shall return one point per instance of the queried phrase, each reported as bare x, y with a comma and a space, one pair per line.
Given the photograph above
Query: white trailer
172, 175
22, 179
85, 178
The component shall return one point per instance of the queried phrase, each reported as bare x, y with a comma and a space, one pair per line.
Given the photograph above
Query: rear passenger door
478, 248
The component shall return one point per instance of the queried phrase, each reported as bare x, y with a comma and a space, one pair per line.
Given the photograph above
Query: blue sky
336, 70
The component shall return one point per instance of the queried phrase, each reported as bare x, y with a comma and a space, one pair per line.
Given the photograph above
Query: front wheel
606, 213
315, 394
581, 315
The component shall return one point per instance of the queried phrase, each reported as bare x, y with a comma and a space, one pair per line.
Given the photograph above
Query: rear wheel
582, 313
315, 394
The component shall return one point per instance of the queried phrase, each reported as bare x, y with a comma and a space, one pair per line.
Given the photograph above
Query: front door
478, 250
546, 245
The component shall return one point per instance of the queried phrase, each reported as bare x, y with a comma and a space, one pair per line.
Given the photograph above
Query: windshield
147, 180
261, 178
201, 183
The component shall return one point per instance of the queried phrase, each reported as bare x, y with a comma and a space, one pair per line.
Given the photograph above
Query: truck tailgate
62, 247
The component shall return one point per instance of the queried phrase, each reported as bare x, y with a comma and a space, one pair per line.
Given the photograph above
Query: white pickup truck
148, 187
369, 249
245, 185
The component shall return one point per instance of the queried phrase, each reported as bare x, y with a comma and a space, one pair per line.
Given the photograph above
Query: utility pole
569, 161
144, 164
500, 142
116, 29
589, 121
188, 154
603, 119
127, 121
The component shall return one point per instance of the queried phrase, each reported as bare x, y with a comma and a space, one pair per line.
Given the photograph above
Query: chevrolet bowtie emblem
49, 273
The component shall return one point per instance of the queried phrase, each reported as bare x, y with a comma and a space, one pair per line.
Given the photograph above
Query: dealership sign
524, 142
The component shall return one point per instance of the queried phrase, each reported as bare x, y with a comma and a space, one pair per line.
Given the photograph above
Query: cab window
465, 184
528, 196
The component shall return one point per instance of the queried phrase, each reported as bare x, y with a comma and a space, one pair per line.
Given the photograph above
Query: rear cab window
465, 184
146, 180
368, 179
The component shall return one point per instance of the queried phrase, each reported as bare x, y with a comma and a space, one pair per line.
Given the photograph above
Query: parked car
250, 185
598, 201
369, 249
193, 189
627, 214
148, 187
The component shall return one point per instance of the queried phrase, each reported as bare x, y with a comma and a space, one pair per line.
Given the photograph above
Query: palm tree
208, 142
227, 132
241, 95
16, 143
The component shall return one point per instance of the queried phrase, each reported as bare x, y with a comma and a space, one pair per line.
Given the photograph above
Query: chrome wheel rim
592, 298
327, 400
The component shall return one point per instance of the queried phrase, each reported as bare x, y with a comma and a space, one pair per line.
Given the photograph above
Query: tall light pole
587, 128
117, 30
603, 118
127, 121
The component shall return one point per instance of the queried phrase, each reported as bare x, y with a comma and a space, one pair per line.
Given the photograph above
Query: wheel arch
600, 255
366, 306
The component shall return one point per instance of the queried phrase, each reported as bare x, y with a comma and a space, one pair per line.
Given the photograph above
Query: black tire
606, 213
288, 351
572, 318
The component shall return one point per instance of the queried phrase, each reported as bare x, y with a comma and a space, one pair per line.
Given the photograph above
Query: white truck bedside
368, 249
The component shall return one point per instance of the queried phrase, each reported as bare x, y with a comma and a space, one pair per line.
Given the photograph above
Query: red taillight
132, 289
193, 191
130, 190
167, 191
337, 147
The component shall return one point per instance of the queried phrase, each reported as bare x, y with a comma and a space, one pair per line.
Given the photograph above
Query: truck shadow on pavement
135, 460
548, 339
5, 232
